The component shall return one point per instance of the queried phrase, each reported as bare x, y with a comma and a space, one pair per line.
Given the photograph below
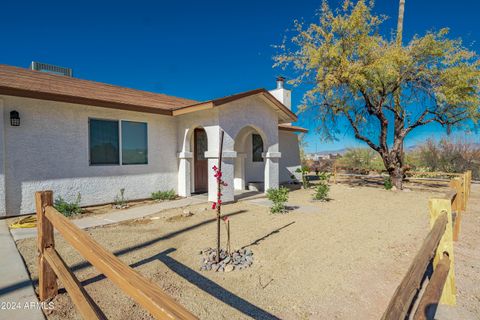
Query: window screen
103, 135
134, 143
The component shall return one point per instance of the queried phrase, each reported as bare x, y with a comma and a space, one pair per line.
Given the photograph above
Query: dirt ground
340, 259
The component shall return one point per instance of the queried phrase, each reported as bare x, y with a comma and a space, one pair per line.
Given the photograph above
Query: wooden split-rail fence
408, 174
51, 268
437, 245
445, 221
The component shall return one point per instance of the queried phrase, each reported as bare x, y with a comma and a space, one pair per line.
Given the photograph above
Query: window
257, 148
134, 143
104, 142
105, 137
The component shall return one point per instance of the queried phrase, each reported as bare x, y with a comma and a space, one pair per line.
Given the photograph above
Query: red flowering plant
221, 183
218, 204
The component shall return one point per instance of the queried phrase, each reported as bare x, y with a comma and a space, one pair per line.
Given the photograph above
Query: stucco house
75, 136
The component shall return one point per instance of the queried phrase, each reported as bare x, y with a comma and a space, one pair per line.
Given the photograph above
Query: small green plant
119, 201
279, 197
304, 170
68, 208
164, 195
322, 189
387, 183
321, 192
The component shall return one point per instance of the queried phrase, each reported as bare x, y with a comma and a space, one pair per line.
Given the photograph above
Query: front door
200, 162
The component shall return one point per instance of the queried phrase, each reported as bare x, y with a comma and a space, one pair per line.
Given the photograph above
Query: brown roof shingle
40, 85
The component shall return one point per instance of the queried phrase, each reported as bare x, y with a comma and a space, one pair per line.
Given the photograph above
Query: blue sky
193, 49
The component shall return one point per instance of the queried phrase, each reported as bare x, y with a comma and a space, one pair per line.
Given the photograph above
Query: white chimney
283, 95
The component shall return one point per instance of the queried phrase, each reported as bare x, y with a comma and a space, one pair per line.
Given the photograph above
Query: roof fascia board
79, 100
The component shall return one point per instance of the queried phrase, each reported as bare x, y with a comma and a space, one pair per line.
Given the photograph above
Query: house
76, 136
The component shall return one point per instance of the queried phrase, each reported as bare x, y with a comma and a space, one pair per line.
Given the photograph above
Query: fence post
465, 190
469, 182
334, 173
437, 206
47, 279
456, 184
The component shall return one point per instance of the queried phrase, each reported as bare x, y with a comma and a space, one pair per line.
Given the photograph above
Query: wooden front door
200, 162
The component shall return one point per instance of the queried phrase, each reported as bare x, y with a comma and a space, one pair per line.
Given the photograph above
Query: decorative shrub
321, 192
68, 208
304, 170
279, 197
164, 195
322, 189
387, 183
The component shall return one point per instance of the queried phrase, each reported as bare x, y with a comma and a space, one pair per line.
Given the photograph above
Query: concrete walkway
17, 298
118, 216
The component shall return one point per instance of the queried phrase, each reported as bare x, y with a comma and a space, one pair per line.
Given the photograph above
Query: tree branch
358, 135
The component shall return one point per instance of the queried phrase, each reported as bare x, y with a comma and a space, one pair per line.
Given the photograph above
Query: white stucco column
239, 178
184, 173
228, 165
3, 190
271, 169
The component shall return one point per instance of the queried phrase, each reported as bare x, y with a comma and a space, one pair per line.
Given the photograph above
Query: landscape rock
187, 213
236, 260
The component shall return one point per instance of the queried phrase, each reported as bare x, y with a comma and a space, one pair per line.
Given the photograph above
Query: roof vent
50, 68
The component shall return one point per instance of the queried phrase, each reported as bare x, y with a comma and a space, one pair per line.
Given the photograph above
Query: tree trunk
396, 176
393, 162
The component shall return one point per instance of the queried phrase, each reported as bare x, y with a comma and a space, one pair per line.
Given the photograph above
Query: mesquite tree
380, 89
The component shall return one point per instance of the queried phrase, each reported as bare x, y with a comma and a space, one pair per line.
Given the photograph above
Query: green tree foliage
378, 87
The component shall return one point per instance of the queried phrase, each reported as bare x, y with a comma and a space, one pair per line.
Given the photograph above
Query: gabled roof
28, 83
22, 82
287, 113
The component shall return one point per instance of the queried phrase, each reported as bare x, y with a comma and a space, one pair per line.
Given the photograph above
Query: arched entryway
200, 162
250, 145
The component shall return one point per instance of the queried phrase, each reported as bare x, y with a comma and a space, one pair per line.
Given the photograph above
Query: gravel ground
343, 261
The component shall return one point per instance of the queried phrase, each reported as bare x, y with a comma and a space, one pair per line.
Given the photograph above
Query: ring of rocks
237, 260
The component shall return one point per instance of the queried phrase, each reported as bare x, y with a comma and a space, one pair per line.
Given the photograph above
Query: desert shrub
361, 159
164, 195
387, 183
120, 201
448, 155
279, 197
322, 189
304, 170
68, 208
321, 192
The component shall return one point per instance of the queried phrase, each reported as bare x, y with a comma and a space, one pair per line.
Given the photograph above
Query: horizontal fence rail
433, 292
411, 283
51, 267
437, 248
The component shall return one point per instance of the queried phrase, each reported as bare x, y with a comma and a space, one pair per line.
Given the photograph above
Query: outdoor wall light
14, 118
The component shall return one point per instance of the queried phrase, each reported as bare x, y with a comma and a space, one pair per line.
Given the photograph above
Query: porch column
271, 169
184, 174
239, 179
228, 164
3, 190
